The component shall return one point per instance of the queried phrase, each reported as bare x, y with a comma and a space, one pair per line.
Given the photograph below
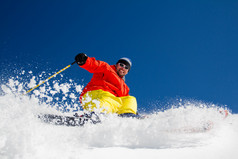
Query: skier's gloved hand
81, 58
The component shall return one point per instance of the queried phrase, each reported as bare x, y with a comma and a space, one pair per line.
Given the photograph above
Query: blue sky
179, 49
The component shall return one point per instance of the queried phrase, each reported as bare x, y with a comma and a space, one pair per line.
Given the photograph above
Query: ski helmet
125, 61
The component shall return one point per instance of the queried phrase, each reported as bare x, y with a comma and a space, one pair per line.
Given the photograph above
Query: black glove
81, 59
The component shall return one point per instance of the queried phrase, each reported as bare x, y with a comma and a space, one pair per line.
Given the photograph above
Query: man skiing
107, 91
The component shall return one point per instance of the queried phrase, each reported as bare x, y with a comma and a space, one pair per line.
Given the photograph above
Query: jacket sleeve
95, 66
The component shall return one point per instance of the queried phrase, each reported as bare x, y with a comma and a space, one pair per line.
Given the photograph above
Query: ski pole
49, 78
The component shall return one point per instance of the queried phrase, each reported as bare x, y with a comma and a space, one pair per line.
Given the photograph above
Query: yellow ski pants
102, 101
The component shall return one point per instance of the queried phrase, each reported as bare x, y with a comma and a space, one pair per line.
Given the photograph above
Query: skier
107, 91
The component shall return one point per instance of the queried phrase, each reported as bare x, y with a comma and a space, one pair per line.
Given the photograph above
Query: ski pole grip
73, 63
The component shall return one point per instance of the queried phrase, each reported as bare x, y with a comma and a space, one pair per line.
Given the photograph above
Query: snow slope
174, 133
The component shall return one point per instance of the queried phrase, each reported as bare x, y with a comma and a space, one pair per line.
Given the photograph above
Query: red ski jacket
105, 77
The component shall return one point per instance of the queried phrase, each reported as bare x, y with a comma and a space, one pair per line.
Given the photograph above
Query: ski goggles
123, 65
